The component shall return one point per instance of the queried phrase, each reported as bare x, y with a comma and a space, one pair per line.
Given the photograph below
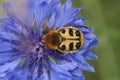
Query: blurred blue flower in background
22, 53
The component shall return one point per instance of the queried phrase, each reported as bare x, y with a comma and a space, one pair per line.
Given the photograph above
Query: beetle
67, 39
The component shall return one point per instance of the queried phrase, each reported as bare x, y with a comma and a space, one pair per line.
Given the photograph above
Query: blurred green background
104, 15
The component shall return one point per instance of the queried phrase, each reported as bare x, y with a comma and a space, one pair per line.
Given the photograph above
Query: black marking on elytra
62, 47
62, 31
77, 33
78, 45
71, 46
71, 32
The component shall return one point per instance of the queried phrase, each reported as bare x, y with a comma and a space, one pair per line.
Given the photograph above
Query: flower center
38, 49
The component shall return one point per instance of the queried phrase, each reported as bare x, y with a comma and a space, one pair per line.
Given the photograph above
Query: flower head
23, 55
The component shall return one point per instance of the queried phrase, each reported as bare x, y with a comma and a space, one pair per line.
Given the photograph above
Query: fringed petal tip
91, 56
79, 22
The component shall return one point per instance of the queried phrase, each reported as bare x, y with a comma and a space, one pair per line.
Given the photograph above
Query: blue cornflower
23, 56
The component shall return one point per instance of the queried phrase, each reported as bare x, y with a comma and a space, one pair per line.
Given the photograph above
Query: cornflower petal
90, 56
62, 73
67, 16
68, 66
42, 11
77, 74
23, 14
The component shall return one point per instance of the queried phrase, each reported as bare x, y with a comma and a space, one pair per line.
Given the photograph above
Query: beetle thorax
52, 39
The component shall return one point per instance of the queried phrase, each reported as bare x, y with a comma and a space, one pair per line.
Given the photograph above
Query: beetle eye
77, 33
62, 31
62, 47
